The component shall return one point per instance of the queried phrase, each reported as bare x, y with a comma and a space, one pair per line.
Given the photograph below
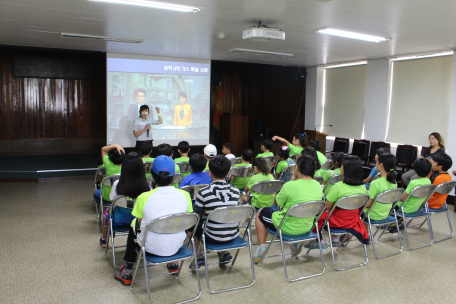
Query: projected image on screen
180, 90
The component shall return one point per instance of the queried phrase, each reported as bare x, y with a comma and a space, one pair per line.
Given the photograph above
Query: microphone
322, 126
147, 132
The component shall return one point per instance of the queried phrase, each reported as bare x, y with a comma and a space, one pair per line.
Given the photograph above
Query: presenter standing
141, 126
183, 112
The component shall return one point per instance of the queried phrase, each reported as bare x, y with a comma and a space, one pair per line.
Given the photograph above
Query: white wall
450, 142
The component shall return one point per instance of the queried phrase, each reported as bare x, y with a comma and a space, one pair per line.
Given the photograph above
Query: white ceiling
415, 26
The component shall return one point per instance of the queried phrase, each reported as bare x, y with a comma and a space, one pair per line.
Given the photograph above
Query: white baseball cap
210, 150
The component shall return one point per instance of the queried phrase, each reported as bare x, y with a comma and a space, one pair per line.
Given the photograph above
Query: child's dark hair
229, 146
247, 154
353, 171
338, 159
381, 151
183, 146
132, 181
219, 166
162, 179
389, 163
165, 149
443, 160
267, 143
260, 163
302, 139
284, 152
306, 165
198, 162
422, 167
115, 156
315, 144
142, 108
146, 148
313, 153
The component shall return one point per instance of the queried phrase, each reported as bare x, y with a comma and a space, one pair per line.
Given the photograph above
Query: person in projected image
133, 109
183, 112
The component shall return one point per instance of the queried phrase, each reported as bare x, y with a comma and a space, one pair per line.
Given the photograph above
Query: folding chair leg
430, 234
113, 248
147, 276
138, 263
451, 229
334, 260
373, 243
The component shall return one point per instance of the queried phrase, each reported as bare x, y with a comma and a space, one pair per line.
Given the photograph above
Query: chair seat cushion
389, 219
338, 230
302, 237
418, 213
444, 208
183, 253
236, 243
121, 228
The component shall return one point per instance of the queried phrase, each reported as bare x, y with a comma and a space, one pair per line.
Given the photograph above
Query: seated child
298, 144
209, 151
241, 182
217, 194
386, 165
284, 161
313, 153
440, 164
337, 160
347, 219
197, 177
162, 201
302, 188
183, 148
374, 171
112, 156
145, 150
317, 146
266, 146
261, 173
132, 183
227, 150
167, 150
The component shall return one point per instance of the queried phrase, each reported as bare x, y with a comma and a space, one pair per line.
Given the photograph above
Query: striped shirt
218, 194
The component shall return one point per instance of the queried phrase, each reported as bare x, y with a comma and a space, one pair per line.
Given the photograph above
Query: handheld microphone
147, 132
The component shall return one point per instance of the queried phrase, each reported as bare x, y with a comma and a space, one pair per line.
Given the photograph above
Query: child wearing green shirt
298, 143
317, 146
112, 156
313, 153
302, 188
283, 155
241, 182
261, 173
145, 150
183, 148
167, 150
266, 146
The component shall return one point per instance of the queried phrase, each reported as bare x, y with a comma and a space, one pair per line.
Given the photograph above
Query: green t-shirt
183, 160
340, 190
241, 182
261, 200
295, 150
148, 160
379, 211
177, 171
265, 154
111, 169
283, 164
321, 157
413, 203
318, 172
292, 193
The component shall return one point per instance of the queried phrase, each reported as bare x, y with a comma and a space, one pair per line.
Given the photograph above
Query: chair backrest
101, 171
235, 161
268, 187
122, 201
319, 179
352, 202
376, 176
193, 189
295, 157
335, 179
206, 171
289, 169
375, 145
360, 147
231, 214
326, 165
242, 171
340, 146
109, 180
389, 196
148, 167
184, 167
423, 191
270, 160
406, 154
445, 188
307, 209
172, 223
176, 179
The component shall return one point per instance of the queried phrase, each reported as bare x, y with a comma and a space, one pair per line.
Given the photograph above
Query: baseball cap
163, 163
210, 150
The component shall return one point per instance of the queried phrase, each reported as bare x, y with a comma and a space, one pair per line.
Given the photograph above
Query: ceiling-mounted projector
263, 33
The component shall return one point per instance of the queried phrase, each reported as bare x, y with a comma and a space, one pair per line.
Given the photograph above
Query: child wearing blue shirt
197, 163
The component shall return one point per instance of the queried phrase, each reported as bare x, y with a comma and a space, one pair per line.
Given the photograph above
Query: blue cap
164, 163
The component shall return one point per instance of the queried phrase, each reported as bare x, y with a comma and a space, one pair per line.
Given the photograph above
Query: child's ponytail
389, 163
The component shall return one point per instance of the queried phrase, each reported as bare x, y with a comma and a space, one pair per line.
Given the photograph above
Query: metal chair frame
295, 157
270, 160
176, 179
193, 189
301, 210
424, 191
288, 169
108, 181
351, 202
229, 215
123, 202
100, 172
386, 197
332, 181
235, 161
326, 165
319, 179
184, 167
148, 167
167, 225
242, 171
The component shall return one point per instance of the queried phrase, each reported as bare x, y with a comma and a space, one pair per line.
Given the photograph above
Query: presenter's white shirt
230, 156
139, 124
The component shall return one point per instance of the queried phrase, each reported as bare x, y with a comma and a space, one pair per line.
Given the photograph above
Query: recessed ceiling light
157, 4
424, 56
346, 64
260, 52
104, 38
352, 35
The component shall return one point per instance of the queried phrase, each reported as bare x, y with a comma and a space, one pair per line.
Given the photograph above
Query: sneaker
323, 243
245, 223
224, 257
173, 267
294, 248
123, 276
259, 254
199, 259
103, 243
335, 242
